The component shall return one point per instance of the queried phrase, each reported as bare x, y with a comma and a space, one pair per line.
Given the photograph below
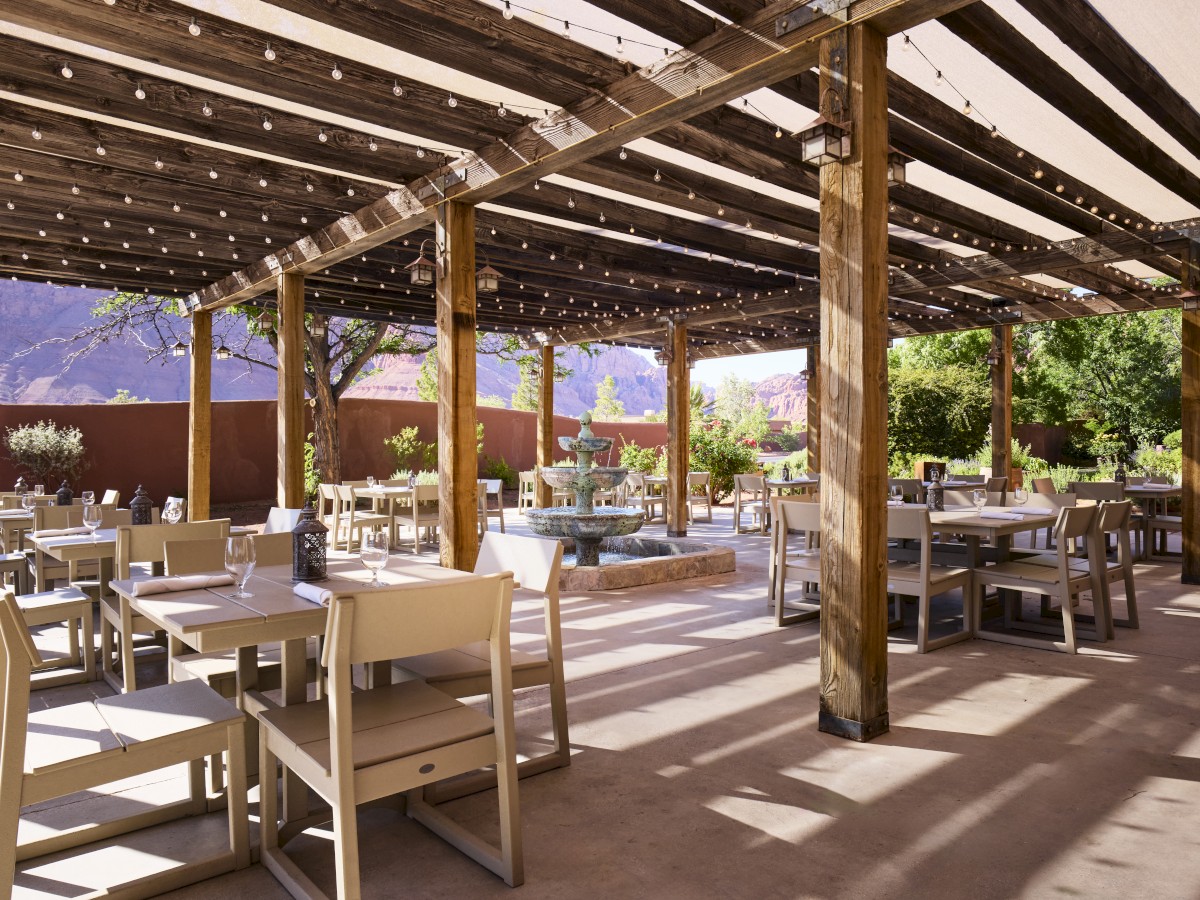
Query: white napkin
1155, 486
993, 514
895, 503
180, 583
1035, 510
313, 593
59, 532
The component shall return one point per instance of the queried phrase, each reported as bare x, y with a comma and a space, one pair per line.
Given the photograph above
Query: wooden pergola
301, 155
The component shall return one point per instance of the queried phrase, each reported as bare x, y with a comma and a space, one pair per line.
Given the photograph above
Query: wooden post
678, 430
853, 384
813, 370
545, 426
458, 458
200, 418
1190, 572
1000, 362
289, 407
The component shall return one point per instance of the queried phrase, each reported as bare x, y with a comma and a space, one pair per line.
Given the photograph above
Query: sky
754, 368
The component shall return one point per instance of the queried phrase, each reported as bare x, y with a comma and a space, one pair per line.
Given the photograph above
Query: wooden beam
289, 404
1190, 416
1001, 366
853, 383
678, 429
200, 420
813, 387
545, 426
458, 458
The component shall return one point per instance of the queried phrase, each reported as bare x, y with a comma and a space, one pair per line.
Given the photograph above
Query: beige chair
997, 484
281, 519
463, 671
1044, 485
110, 498
488, 488
785, 543
1062, 582
1097, 490
118, 623
755, 505
700, 493
527, 490
354, 521
208, 554
422, 514
51, 753
1046, 501
967, 479
804, 565
73, 608
359, 746
327, 510
923, 579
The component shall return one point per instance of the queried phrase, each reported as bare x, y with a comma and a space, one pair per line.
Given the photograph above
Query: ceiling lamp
421, 270
223, 352
897, 165
823, 142
487, 280
179, 348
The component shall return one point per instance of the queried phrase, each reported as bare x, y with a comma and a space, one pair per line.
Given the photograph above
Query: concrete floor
698, 770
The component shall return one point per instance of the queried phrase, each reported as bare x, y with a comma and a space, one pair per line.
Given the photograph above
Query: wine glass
374, 554
93, 516
979, 498
28, 501
39, 490
173, 511
897, 493
370, 482
1020, 496
88, 497
239, 562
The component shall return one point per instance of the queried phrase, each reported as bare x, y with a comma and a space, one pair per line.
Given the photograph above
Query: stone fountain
582, 522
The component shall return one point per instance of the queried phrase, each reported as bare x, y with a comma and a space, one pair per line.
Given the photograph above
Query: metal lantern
223, 352
64, 496
897, 167
664, 356
487, 280
141, 508
308, 546
179, 348
21, 487
823, 142
318, 327
994, 357
421, 270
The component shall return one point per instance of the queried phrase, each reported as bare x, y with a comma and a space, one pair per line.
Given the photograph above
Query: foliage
499, 468
1020, 457
636, 458
701, 406
1150, 461
529, 386
902, 464
1062, 476
963, 467
735, 397
1106, 444
492, 400
789, 437
427, 377
754, 425
940, 412
123, 396
797, 463
717, 450
608, 407
410, 452
312, 478
45, 451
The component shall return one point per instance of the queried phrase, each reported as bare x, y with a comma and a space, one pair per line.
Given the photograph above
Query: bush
46, 452
636, 458
716, 450
937, 413
1173, 441
789, 438
1062, 477
1153, 462
797, 464
312, 478
499, 468
410, 452
902, 465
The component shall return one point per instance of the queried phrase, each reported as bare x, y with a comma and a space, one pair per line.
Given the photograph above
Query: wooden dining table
13, 525
74, 548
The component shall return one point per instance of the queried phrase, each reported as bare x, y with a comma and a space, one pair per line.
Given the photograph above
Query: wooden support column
200, 418
853, 384
1190, 573
458, 458
545, 426
813, 371
679, 407
289, 405
1000, 362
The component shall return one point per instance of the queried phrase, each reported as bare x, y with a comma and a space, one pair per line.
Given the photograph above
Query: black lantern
487, 280
223, 352
421, 270
64, 496
141, 508
179, 348
21, 487
823, 142
897, 164
308, 546
994, 357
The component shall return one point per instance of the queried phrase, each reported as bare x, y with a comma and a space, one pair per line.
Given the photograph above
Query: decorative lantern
318, 327
308, 546
664, 356
823, 142
421, 270
897, 167
223, 352
179, 348
487, 280
21, 487
64, 496
141, 508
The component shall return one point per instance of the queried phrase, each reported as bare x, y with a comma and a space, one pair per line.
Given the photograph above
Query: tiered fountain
582, 522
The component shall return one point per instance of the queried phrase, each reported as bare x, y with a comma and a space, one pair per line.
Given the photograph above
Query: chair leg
1068, 617
128, 675
345, 847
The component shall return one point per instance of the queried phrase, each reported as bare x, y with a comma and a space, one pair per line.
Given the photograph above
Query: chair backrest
699, 478
749, 483
111, 498
911, 487
425, 493
997, 484
208, 554
908, 524
57, 517
272, 549
799, 516
1073, 522
1114, 515
493, 485
18, 658
1098, 490
144, 543
14, 502
1044, 485
968, 479
1048, 501
965, 498
281, 518
1158, 479
1135, 480
534, 562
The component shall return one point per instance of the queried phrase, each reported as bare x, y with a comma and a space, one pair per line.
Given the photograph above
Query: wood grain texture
853, 384
545, 425
289, 405
678, 430
1002, 401
813, 370
200, 420
458, 458
1190, 423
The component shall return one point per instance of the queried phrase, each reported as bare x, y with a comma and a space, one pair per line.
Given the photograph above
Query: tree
608, 407
123, 396
701, 406
427, 377
735, 398
944, 412
529, 386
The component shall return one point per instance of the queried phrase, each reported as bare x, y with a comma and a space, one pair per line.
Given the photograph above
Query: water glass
93, 516
1020, 496
370, 482
88, 497
979, 498
173, 511
39, 490
28, 501
897, 493
239, 562
374, 554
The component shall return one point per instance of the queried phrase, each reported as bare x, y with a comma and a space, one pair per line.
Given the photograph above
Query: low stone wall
665, 560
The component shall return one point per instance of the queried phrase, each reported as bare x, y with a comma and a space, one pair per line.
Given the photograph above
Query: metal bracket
838, 10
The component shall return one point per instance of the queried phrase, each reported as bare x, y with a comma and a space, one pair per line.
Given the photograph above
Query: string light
158, 163
194, 28
452, 101
269, 53
139, 92
206, 109
266, 122
66, 71
36, 133
337, 72
508, 13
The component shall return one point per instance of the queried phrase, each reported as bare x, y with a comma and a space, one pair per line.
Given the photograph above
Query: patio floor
699, 772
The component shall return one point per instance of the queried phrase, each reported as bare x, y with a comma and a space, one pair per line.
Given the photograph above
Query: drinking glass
173, 511
28, 501
374, 554
88, 497
979, 498
39, 490
93, 516
370, 482
897, 493
1020, 496
239, 562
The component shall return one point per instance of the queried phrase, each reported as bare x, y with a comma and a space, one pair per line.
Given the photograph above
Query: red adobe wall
146, 443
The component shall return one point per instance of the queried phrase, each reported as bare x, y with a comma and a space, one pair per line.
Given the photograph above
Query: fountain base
586, 529
633, 561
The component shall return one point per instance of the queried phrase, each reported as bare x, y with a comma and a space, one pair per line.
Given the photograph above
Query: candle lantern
308, 546
65, 495
21, 487
421, 271
141, 507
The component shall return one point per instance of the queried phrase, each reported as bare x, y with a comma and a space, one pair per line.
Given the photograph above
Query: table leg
970, 623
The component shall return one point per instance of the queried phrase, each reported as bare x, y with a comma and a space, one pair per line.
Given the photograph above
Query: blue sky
754, 367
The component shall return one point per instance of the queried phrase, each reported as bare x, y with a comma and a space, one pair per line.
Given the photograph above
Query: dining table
13, 525
1153, 497
75, 548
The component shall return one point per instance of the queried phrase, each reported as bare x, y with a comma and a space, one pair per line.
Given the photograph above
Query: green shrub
312, 478
46, 452
410, 452
1063, 476
636, 458
1174, 440
789, 438
716, 450
1153, 462
499, 468
797, 464
1107, 445
902, 465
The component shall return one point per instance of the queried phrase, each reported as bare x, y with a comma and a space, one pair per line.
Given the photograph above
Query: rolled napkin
994, 514
1155, 486
59, 532
1035, 510
313, 593
180, 583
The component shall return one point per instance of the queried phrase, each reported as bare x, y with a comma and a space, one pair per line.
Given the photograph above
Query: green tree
608, 407
701, 406
123, 396
427, 378
529, 387
943, 412
735, 398
490, 400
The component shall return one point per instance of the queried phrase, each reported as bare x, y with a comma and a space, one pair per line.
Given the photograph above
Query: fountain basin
603, 478
565, 522
585, 444
655, 561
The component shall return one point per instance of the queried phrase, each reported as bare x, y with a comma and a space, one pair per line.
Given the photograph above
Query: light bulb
372, 145
502, 112
100, 151
337, 72
995, 132
266, 218
58, 215
308, 186
602, 218
107, 224
967, 109
269, 54
720, 210
206, 109
150, 230
537, 185
508, 13
420, 153
691, 195
623, 154
139, 93
452, 101
620, 45
267, 126
571, 203
1038, 173
66, 71
907, 45
128, 200
349, 192
524, 245
194, 28
566, 32
322, 136
11, 205
937, 79
37, 133
75, 189
396, 89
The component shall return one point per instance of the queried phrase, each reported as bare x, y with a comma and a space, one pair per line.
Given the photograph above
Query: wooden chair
755, 506
281, 519
491, 487
110, 498
1046, 501
423, 513
527, 490
700, 492
997, 484
1062, 582
353, 520
1097, 490
805, 565
54, 752
327, 510
358, 746
73, 608
923, 579
1044, 485
463, 671
118, 623
782, 544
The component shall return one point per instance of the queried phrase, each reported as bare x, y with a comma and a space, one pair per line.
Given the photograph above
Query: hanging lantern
421, 270
179, 348
264, 321
308, 546
823, 142
223, 352
487, 280
691, 361
897, 165
318, 327
664, 356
